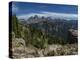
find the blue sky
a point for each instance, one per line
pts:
(25, 10)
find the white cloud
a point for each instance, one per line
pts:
(49, 14)
(26, 16)
(61, 15)
(14, 8)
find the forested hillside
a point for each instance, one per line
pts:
(39, 34)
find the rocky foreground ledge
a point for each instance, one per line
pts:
(20, 50)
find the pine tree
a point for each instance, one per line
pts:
(15, 26)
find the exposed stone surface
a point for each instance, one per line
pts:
(20, 50)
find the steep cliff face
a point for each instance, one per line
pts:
(73, 36)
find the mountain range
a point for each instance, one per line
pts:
(53, 27)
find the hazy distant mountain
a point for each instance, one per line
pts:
(55, 27)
